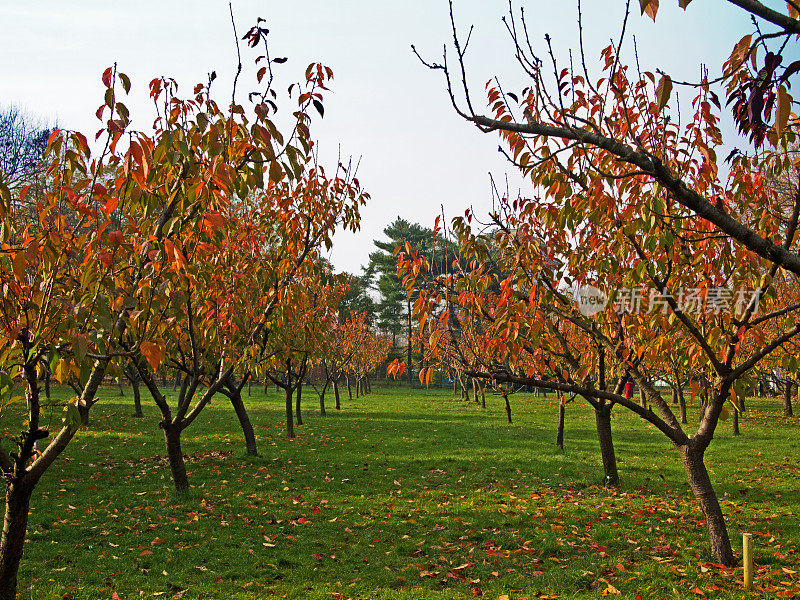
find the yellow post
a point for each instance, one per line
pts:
(747, 559)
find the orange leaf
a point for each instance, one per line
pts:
(18, 264)
(111, 204)
(153, 353)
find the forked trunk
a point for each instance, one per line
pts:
(602, 416)
(700, 483)
(244, 421)
(177, 465)
(15, 526)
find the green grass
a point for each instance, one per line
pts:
(405, 494)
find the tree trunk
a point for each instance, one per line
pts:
(15, 526)
(703, 403)
(177, 465)
(289, 415)
(735, 420)
(336, 394)
(675, 395)
(409, 363)
(48, 375)
(249, 387)
(700, 483)
(483, 396)
(682, 402)
(119, 385)
(508, 407)
(322, 403)
(602, 416)
(244, 420)
(177, 380)
(299, 415)
(349, 389)
(740, 399)
(642, 398)
(562, 409)
(787, 399)
(137, 398)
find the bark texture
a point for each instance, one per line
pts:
(700, 482)
(602, 416)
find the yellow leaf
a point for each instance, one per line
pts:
(61, 371)
(611, 590)
(663, 91)
(783, 110)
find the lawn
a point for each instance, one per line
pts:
(406, 494)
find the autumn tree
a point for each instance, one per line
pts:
(121, 262)
(636, 200)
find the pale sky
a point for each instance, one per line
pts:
(416, 153)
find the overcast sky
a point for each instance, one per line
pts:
(416, 153)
